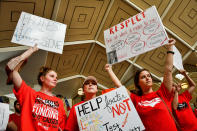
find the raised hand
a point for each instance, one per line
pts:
(171, 42)
(17, 62)
(183, 72)
(108, 67)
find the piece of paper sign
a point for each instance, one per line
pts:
(4, 116)
(48, 34)
(136, 35)
(113, 111)
(177, 59)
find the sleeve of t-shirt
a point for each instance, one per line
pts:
(186, 95)
(71, 124)
(164, 93)
(23, 91)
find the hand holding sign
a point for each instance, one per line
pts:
(17, 62)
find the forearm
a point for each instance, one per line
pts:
(189, 80)
(168, 79)
(114, 78)
(17, 80)
(191, 83)
(27, 53)
(175, 101)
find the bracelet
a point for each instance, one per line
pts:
(172, 52)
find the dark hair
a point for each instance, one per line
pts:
(136, 81)
(5, 99)
(59, 96)
(15, 102)
(43, 71)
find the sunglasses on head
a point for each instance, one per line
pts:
(88, 82)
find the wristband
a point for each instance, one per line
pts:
(172, 52)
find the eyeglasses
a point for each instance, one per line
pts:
(88, 82)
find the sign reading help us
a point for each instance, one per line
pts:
(136, 35)
(47, 34)
(113, 111)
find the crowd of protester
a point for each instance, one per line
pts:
(42, 110)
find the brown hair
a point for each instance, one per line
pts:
(43, 71)
(136, 81)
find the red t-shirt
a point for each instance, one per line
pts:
(195, 112)
(16, 119)
(184, 113)
(153, 112)
(72, 124)
(39, 112)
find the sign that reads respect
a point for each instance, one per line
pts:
(136, 35)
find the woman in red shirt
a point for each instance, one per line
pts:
(181, 107)
(90, 89)
(151, 106)
(39, 110)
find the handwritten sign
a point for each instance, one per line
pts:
(4, 116)
(48, 34)
(136, 35)
(177, 62)
(113, 111)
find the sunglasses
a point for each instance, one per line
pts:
(88, 82)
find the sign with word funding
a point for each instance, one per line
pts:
(136, 35)
(47, 34)
(113, 111)
(4, 116)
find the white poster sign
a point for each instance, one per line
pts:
(177, 62)
(47, 34)
(113, 111)
(4, 116)
(136, 35)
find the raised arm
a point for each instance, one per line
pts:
(191, 83)
(113, 77)
(168, 80)
(15, 64)
(176, 96)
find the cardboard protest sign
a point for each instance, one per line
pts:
(111, 111)
(4, 116)
(136, 35)
(177, 62)
(48, 34)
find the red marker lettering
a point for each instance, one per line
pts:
(111, 30)
(126, 22)
(122, 25)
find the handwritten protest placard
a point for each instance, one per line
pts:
(136, 35)
(113, 111)
(4, 116)
(48, 34)
(177, 62)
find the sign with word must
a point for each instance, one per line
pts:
(47, 34)
(136, 35)
(113, 111)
